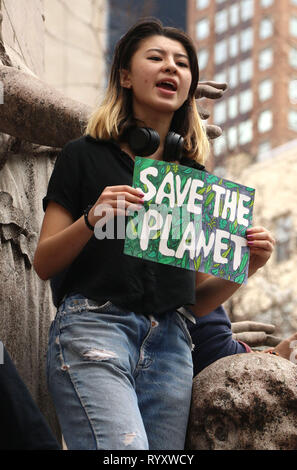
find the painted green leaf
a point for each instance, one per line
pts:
(234, 227)
(184, 262)
(208, 264)
(209, 198)
(157, 235)
(168, 259)
(212, 179)
(240, 278)
(223, 223)
(231, 254)
(213, 224)
(151, 221)
(221, 207)
(226, 253)
(230, 185)
(197, 263)
(243, 262)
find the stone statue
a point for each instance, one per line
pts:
(244, 402)
(35, 122)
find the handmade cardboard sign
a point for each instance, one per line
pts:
(190, 219)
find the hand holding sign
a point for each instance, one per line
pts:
(194, 220)
(113, 201)
(261, 244)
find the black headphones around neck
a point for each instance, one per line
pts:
(145, 141)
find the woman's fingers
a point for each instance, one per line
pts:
(115, 194)
(261, 244)
(125, 189)
(113, 198)
(118, 201)
(257, 234)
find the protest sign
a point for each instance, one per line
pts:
(190, 219)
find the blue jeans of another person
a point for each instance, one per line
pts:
(119, 380)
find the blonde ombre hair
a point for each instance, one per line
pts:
(114, 116)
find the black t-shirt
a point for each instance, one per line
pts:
(102, 271)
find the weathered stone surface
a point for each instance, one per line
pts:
(23, 32)
(246, 401)
(36, 120)
(28, 100)
(26, 304)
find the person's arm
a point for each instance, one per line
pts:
(213, 291)
(61, 239)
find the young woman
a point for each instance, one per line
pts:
(119, 360)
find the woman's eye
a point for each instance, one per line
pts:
(155, 58)
(182, 64)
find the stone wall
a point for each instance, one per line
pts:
(25, 167)
(23, 33)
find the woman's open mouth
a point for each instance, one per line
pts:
(166, 86)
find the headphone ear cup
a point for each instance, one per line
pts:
(143, 141)
(173, 148)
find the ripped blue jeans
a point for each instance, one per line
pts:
(119, 380)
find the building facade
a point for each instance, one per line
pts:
(75, 48)
(271, 294)
(251, 45)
